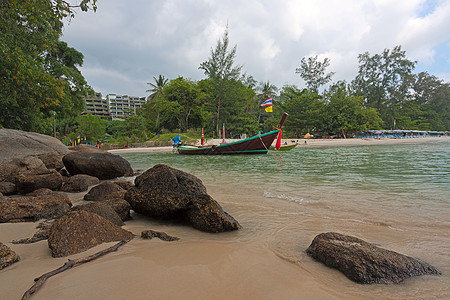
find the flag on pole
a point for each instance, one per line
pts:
(268, 105)
(268, 102)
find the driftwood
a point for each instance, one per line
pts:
(69, 264)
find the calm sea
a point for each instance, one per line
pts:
(396, 196)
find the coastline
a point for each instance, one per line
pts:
(264, 260)
(310, 143)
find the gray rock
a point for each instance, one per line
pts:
(101, 165)
(99, 192)
(165, 192)
(26, 183)
(25, 165)
(18, 144)
(103, 210)
(363, 262)
(149, 234)
(29, 208)
(7, 188)
(79, 183)
(81, 230)
(118, 204)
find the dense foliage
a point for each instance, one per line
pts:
(39, 75)
(38, 72)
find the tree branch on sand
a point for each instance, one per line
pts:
(39, 281)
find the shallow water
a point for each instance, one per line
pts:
(396, 196)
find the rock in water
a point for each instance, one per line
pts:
(97, 164)
(165, 192)
(81, 230)
(7, 256)
(149, 234)
(363, 262)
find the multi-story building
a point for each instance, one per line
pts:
(121, 106)
(96, 105)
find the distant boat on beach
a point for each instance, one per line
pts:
(258, 144)
(283, 148)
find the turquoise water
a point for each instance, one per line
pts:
(416, 169)
(397, 196)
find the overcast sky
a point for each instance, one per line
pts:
(126, 43)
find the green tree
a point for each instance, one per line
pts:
(186, 94)
(91, 127)
(33, 81)
(312, 72)
(220, 69)
(345, 114)
(304, 110)
(384, 80)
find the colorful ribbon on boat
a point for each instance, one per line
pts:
(278, 143)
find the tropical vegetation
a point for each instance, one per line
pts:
(40, 78)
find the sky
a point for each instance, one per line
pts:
(127, 43)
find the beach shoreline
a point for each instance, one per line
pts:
(303, 143)
(266, 259)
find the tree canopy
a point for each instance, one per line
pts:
(38, 72)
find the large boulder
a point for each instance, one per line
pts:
(81, 230)
(18, 144)
(101, 165)
(99, 192)
(165, 192)
(26, 183)
(363, 262)
(79, 183)
(32, 208)
(7, 256)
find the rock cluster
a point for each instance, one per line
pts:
(363, 262)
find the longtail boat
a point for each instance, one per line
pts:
(283, 148)
(258, 144)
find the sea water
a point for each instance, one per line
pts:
(396, 196)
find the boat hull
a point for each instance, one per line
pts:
(283, 148)
(258, 144)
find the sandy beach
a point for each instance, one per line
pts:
(304, 143)
(260, 261)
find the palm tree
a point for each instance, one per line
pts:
(156, 90)
(157, 87)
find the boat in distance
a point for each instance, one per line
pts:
(258, 144)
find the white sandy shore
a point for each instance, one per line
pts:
(305, 143)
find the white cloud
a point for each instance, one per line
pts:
(143, 38)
